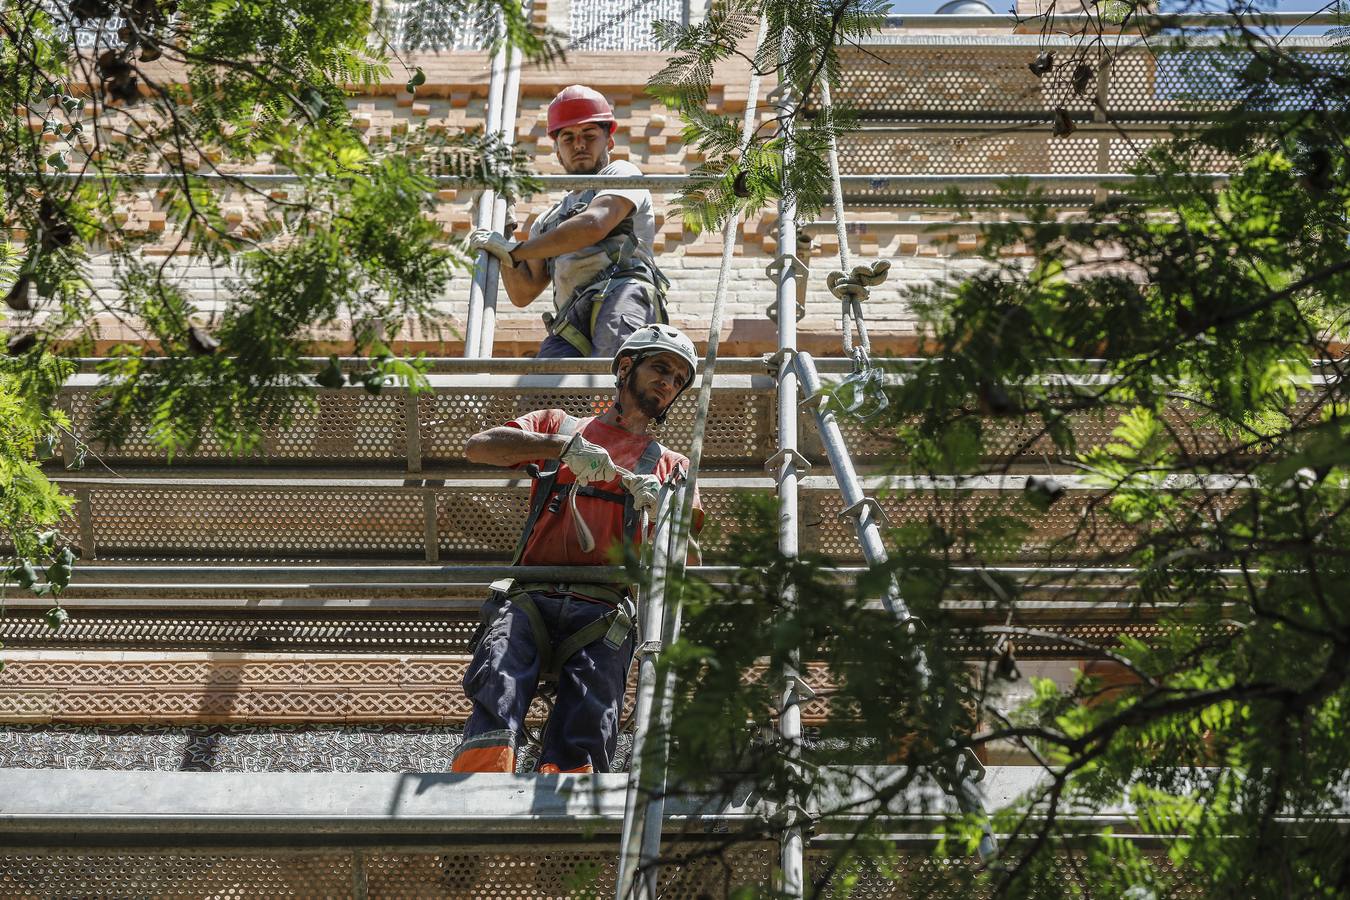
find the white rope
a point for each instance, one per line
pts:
(719, 302)
(851, 313)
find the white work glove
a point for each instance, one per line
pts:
(588, 462)
(494, 243)
(646, 491)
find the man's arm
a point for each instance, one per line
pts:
(585, 229)
(509, 446)
(525, 280)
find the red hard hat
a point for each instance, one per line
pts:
(577, 105)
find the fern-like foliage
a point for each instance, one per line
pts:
(799, 53)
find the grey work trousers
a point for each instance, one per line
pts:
(624, 309)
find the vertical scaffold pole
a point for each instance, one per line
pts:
(865, 513)
(510, 101)
(473, 328)
(786, 464)
(644, 803)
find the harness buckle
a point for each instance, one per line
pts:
(558, 498)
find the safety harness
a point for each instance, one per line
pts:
(628, 262)
(616, 624)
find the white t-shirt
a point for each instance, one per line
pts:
(580, 267)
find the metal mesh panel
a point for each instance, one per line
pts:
(522, 872)
(350, 426)
(482, 525)
(619, 24)
(987, 79)
(918, 874)
(972, 77)
(175, 874)
(519, 873)
(1015, 439)
(258, 524)
(407, 632)
(973, 154)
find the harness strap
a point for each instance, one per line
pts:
(548, 475)
(613, 627)
(646, 465)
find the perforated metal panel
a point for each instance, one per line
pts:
(521, 872)
(351, 426)
(167, 631)
(176, 874)
(970, 154)
(987, 79)
(258, 524)
(480, 520)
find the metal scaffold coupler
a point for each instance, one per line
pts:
(773, 464)
(791, 815)
(774, 361)
(871, 508)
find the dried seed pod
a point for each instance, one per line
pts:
(150, 51)
(1082, 78)
(125, 90)
(20, 344)
(1043, 63)
(1063, 126)
(112, 64)
(17, 298)
(1042, 492)
(84, 10)
(740, 185)
(1006, 667)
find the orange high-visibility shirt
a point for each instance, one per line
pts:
(554, 541)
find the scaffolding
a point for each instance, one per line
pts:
(417, 570)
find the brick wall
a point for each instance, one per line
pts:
(454, 98)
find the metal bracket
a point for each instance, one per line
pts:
(798, 685)
(797, 267)
(774, 270)
(819, 400)
(772, 310)
(773, 361)
(968, 765)
(869, 505)
(773, 462)
(791, 815)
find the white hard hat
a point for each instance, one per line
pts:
(658, 338)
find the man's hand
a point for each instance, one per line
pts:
(494, 243)
(589, 462)
(646, 491)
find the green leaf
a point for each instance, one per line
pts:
(56, 617)
(331, 375)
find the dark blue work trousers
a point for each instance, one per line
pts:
(583, 730)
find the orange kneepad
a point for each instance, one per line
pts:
(551, 769)
(485, 759)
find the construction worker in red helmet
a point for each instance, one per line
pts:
(593, 246)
